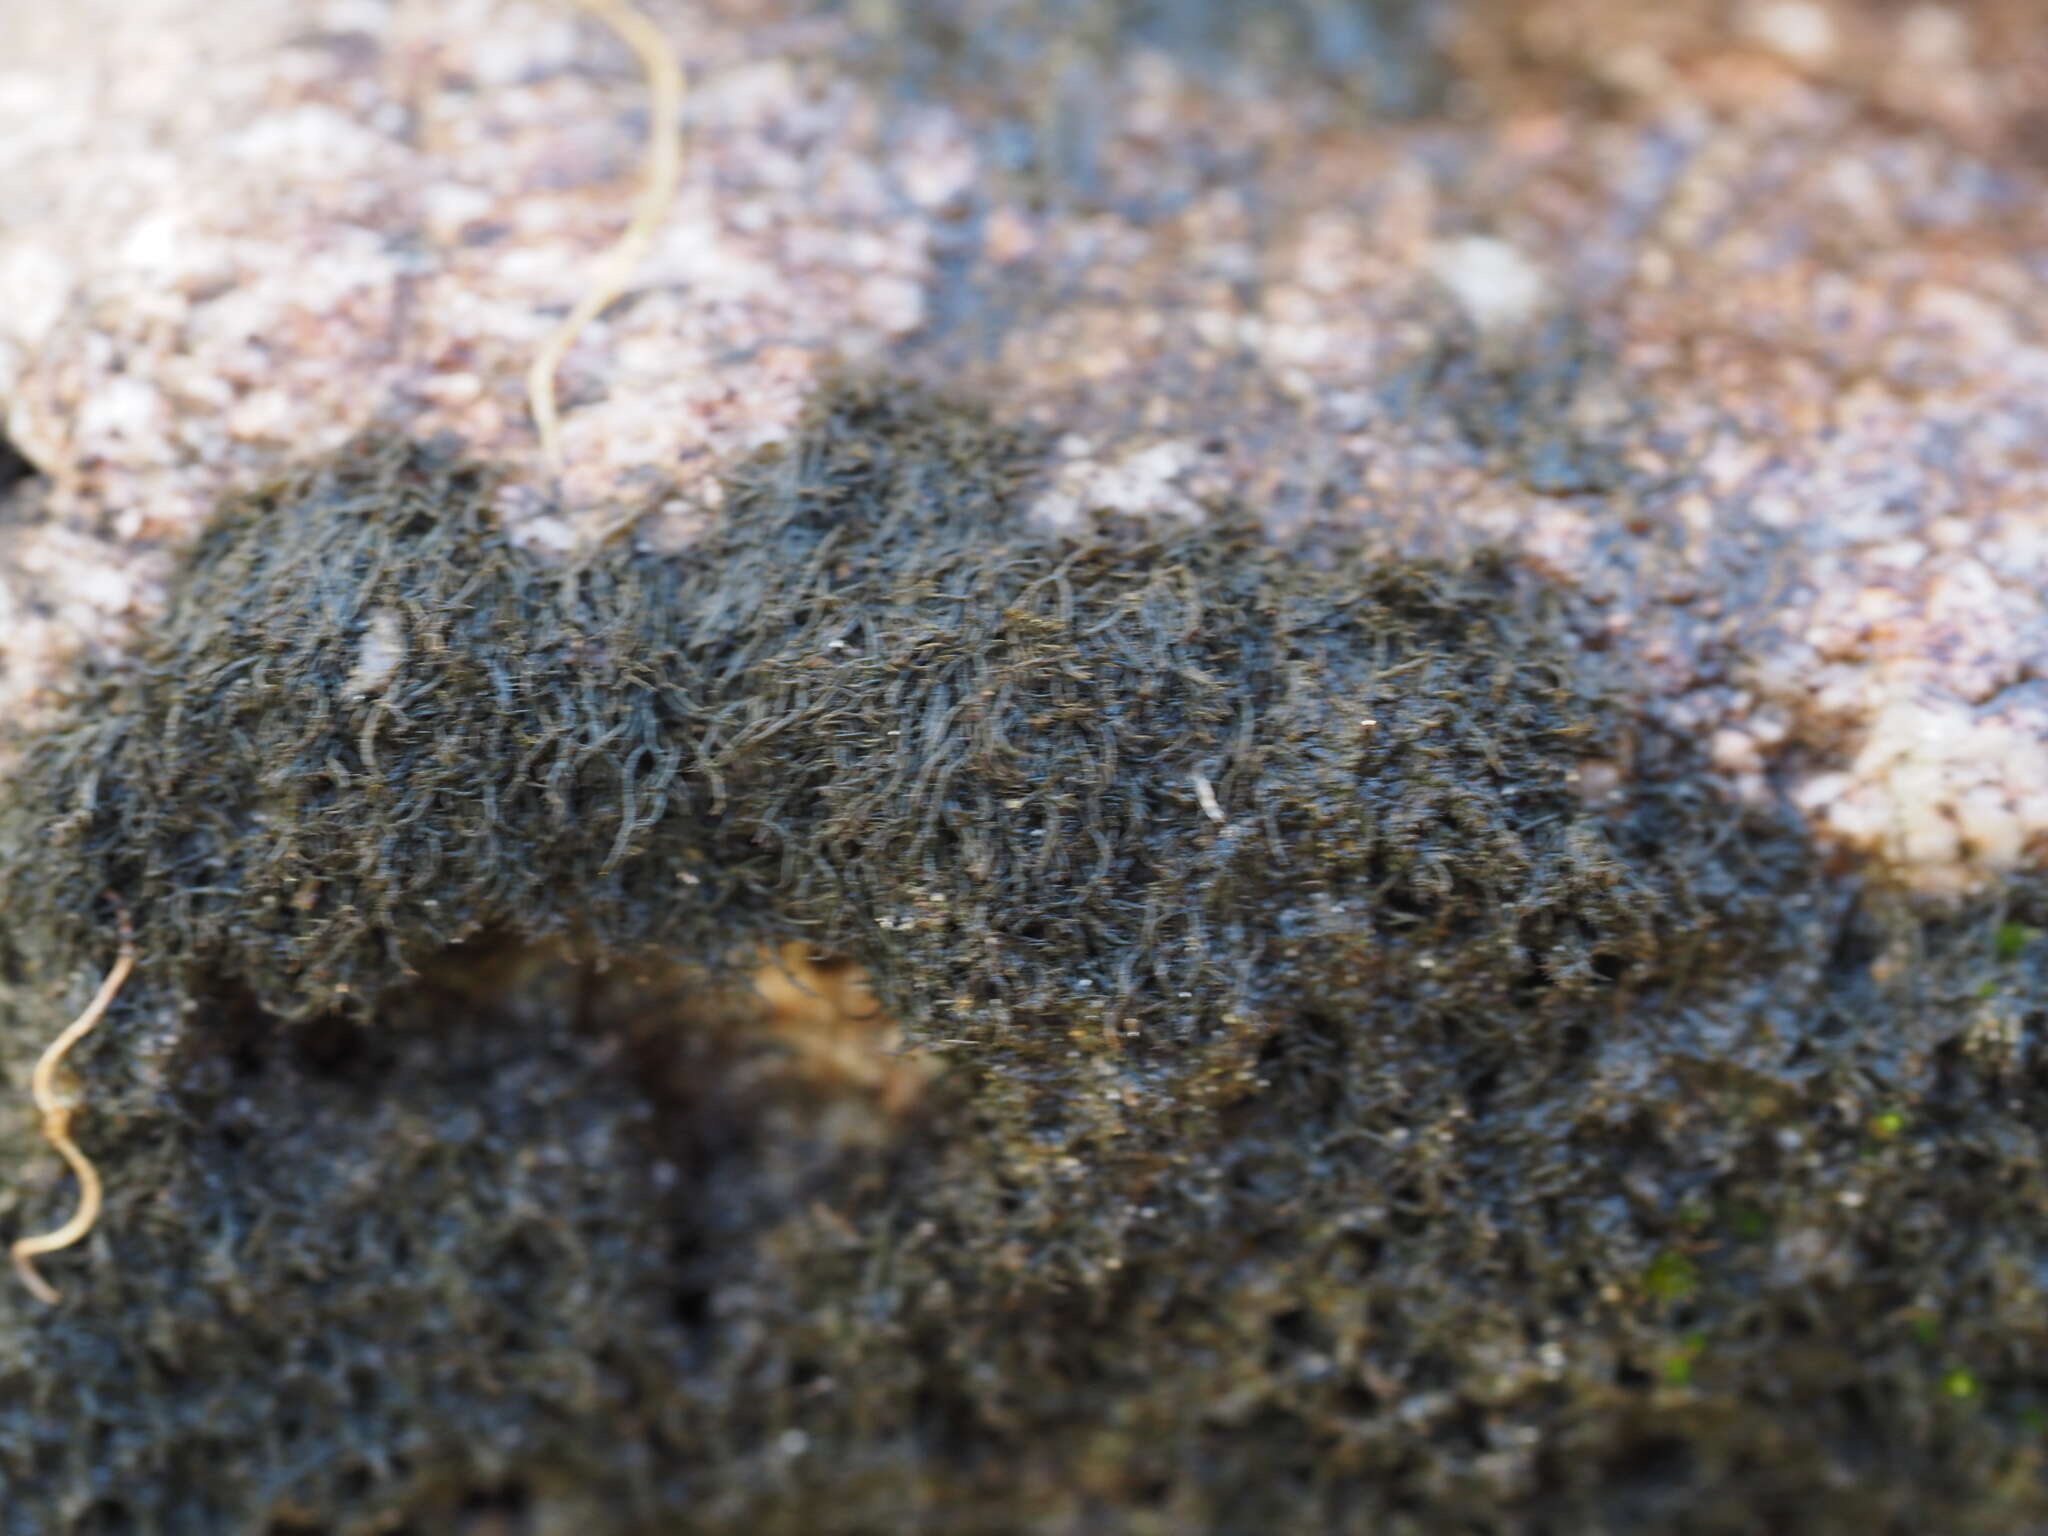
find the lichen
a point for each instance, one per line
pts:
(1347, 1120)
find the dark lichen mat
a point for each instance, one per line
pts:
(1347, 1121)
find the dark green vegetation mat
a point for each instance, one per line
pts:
(1348, 1123)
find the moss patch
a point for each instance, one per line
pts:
(1345, 1121)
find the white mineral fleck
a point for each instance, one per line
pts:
(380, 655)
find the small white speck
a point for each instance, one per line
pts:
(382, 653)
(1798, 30)
(1498, 287)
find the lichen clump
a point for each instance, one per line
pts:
(1346, 1119)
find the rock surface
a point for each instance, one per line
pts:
(1729, 320)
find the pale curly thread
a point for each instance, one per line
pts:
(664, 171)
(56, 1110)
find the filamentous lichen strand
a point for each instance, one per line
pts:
(1345, 1115)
